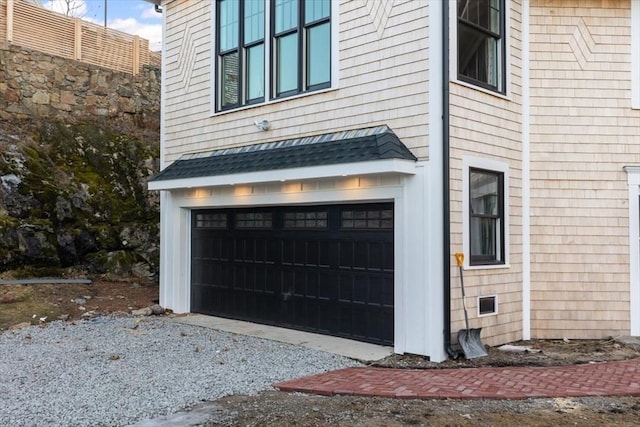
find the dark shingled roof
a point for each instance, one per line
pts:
(361, 145)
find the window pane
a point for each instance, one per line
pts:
(214, 220)
(484, 234)
(305, 219)
(255, 72)
(229, 11)
(367, 219)
(318, 55)
(229, 70)
(286, 15)
(483, 13)
(253, 21)
(287, 63)
(254, 220)
(315, 10)
(478, 55)
(484, 193)
(494, 24)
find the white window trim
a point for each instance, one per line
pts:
(469, 162)
(335, 33)
(495, 305)
(453, 51)
(633, 182)
(635, 54)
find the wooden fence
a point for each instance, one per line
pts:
(53, 33)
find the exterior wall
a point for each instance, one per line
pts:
(488, 127)
(383, 78)
(583, 131)
(383, 50)
(563, 132)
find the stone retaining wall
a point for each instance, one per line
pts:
(34, 84)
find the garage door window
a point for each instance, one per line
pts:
(316, 219)
(212, 220)
(254, 220)
(369, 219)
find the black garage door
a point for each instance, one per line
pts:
(325, 269)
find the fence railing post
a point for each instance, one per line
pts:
(136, 55)
(9, 21)
(77, 39)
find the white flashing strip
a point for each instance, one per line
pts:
(398, 166)
(633, 178)
(526, 178)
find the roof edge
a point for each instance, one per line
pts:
(375, 167)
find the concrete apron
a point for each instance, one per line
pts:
(356, 350)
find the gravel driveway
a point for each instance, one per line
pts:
(112, 371)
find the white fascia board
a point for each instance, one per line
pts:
(395, 166)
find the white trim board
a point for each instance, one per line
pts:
(633, 179)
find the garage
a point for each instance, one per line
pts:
(326, 268)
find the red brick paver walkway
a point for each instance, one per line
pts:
(620, 378)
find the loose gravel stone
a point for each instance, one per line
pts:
(113, 371)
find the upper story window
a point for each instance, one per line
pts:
(481, 46)
(269, 49)
(240, 47)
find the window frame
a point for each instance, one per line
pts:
(491, 166)
(241, 49)
(495, 305)
(498, 219)
(503, 52)
(270, 76)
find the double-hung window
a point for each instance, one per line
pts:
(481, 46)
(270, 49)
(486, 217)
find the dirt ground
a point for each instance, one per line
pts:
(41, 303)
(22, 305)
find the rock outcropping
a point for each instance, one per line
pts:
(75, 195)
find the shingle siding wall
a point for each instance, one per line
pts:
(383, 80)
(487, 126)
(583, 131)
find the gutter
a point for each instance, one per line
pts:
(446, 207)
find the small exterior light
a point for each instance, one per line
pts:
(263, 125)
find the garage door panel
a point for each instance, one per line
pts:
(360, 253)
(387, 260)
(345, 251)
(361, 290)
(307, 268)
(287, 252)
(329, 287)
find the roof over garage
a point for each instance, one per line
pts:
(346, 147)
